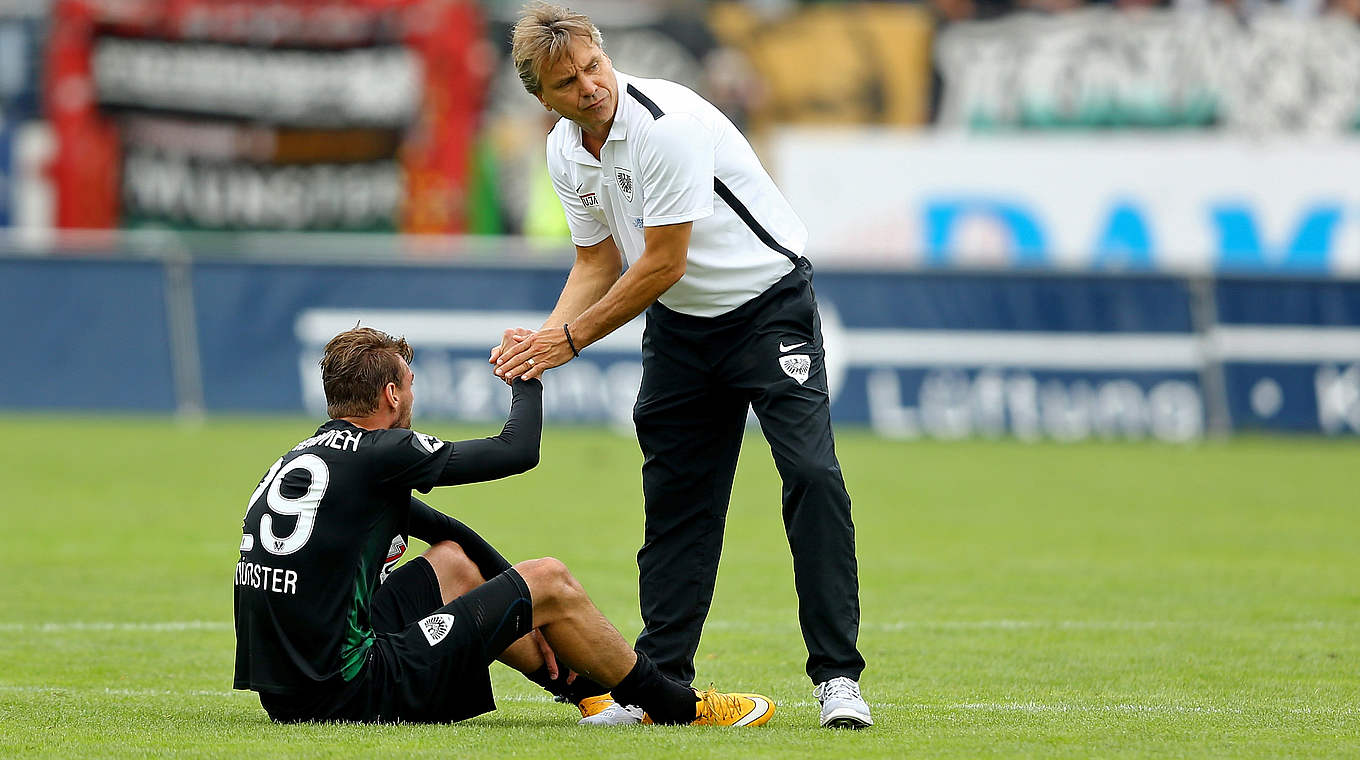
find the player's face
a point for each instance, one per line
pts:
(406, 398)
(581, 86)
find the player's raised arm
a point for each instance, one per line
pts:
(512, 452)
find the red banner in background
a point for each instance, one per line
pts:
(287, 114)
(85, 165)
(458, 67)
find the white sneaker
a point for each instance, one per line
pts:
(614, 715)
(842, 706)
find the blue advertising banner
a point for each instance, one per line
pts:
(1025, 402)
(938, 355)
(1291, 354)
(92, 335)
(1073, 357)
(258, 333)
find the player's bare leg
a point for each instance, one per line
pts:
(573, 625)
(457, 575)
(585, 641)
(589, 644)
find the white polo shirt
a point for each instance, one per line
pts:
(672, 157)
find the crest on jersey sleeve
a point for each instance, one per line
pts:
(625, 180)
(426, 443)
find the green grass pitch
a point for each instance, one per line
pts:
(1089, 600)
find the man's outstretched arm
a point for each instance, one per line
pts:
(596, 269)
(661, 265)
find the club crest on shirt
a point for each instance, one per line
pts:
(625, 181)
(427, 443)
(796, 366)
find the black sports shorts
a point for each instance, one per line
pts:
(428, 663)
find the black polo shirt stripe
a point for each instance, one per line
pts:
(722, 190)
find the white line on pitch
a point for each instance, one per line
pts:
(893, 626)
(147, 627)
(1062, 707)
(119, 692)
(890, 626)
(998, 707)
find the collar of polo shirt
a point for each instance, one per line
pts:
(625, 109)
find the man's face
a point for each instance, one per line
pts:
(581, 85)
(406, 397)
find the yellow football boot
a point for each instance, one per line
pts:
(718, 709)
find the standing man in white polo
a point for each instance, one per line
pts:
(647, 167)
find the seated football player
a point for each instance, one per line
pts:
(327, 629)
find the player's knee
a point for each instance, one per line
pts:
(550, 581)
(557, 573)
(457, 573)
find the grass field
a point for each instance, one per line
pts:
(1095, 600)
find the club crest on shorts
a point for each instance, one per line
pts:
(796, 366)
(436, 627)
(625, 181)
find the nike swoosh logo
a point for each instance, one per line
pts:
(785, 349)
(761, 708)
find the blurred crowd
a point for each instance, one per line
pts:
(947, 11)
(1257, 66)
(1252, 66)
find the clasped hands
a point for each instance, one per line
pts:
(527, 354)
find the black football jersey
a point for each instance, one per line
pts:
(325, 526)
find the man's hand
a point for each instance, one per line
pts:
(549, 658)
(508, 339)
(529, 356)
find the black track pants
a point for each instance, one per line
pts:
(699, 375)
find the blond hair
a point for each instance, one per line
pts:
(541, 36)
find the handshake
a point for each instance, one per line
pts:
(526, 354)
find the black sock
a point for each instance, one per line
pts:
(573, 692)
(665, 699)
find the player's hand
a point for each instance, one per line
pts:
(532, 355)
(549, 658)
(508, 339)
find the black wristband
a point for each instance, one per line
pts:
(570, 343)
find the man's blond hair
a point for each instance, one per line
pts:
(541, 37)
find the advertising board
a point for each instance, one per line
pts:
(909, 355)
(1179, 204)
